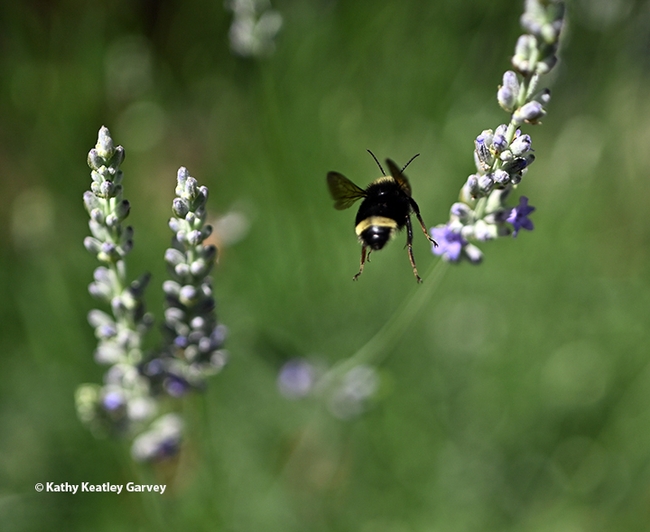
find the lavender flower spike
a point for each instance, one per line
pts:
(123, 401)
(503, 156)
(128, 402)
(194, 339)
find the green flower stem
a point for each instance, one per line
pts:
(383, 342)
(510, 135)
(479, 210)
(532, 86)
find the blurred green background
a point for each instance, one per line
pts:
(518, 399)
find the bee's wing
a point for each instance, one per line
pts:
(399, 177)
(344, 191)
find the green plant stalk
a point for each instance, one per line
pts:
(382, 343)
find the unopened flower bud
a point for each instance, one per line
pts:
(484, 231)
(122, 209)
(546, 64)
(112, 220)
(187, 294)
(118, 158)
(209, 253)
(173, 257)
(506, 156)
(106, 189)
(508, 92)
(499, 142)
(501, 177)
(191, 188)
(472, 185)
(174, 225)
(182, 270)
(485, 183)
(97, 216)
(104, 147)
(543, 96)
(180, 207)
(181, 178)
(199, 268)
(530, 113)
(521, 145)
(171, 288)
(194, 238)
(482, 156)
(95, 161)
(460, 211)
(474, 254)
(524, 59)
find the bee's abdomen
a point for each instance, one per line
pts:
(376, 231)
(376, 236)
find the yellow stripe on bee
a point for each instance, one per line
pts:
(380, 221)
(383, 179)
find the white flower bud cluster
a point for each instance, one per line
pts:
(254, 27)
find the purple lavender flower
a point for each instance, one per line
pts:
(518, 216)
(176, 386)
(113, 400)
(450, 243)
(296, 378)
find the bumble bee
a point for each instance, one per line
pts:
(385, 210)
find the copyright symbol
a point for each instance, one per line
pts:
(39, 487)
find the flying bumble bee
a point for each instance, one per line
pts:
(385, 210)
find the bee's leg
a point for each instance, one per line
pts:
(416, 210)
(363, 261)
(409, 247)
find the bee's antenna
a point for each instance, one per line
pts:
(410, 161)
(379, 164)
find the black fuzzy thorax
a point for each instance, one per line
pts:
(385, 199)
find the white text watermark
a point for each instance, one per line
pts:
(105, 487)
